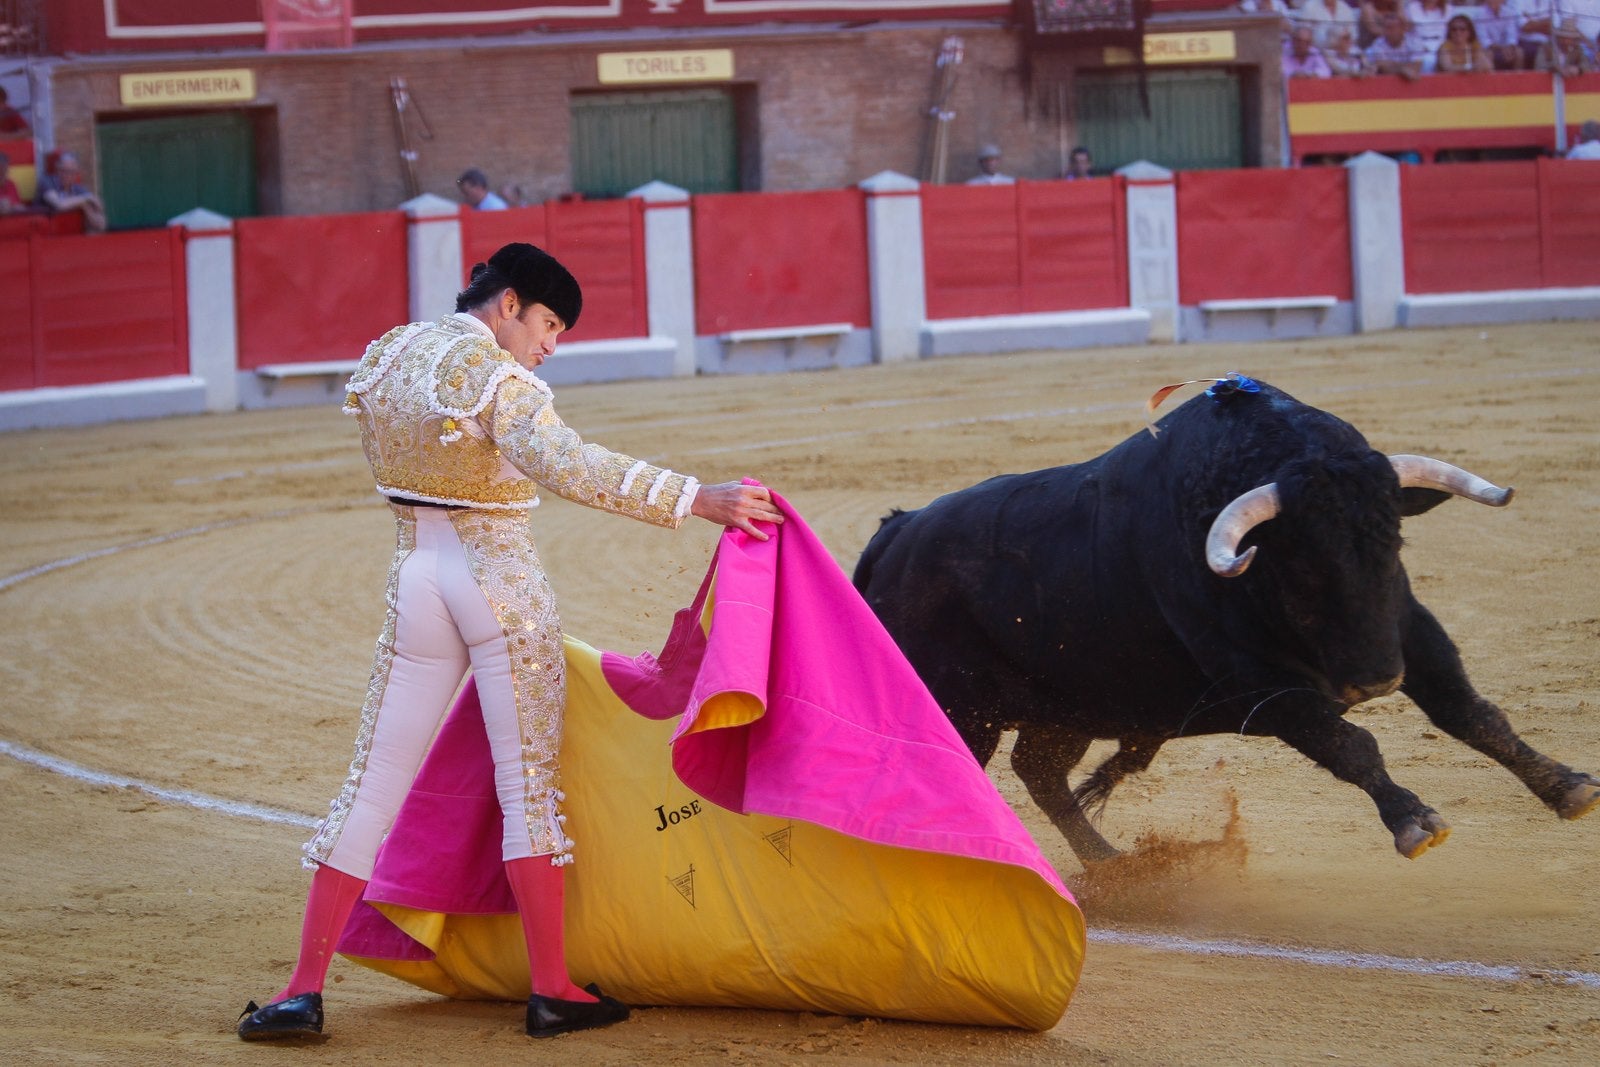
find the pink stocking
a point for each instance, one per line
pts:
(333, 895)
(540, 892)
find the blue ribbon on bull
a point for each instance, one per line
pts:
(1221, 388)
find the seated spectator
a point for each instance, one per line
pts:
(1588, 146)
(1344, 58)
(1499, 26)
(1302, 58)
(1567, 53)
(1372, 16)
(1395, 52)
(61, 189)
(1427, 20)
(1080, 164)
(1326, 17)
(10, 199)
(474, 186)
(12, 124)
(1461, 52)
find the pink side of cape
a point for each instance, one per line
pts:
(851, 738)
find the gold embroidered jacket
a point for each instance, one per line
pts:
(449, 416)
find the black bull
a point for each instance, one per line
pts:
(1239, 572)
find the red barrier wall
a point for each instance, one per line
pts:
(1471, 227)
(600, 241)
(1568, 222)
(780, 259)
(315, 287)
(16, 315)
(1031, 246)
(1256, 234)
(107, 308)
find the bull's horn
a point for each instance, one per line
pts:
(1237, 519)
(1420, 472)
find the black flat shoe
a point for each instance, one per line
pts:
(548, 1016)
(291, 1019)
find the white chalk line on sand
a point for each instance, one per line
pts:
(185, 797)
(1361, 961)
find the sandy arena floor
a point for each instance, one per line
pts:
(191, 603)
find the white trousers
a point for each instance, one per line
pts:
(443, 623)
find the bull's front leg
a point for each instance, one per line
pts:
(1436, 680)
(1352, 755)
(1042, 756)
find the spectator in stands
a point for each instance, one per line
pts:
(1428, 19)
(989, 168)
(1302, 58)
(1344, 58)
(1568, 53)
(1588, 146)
(10, 199)
(1080, 164)
(1326, 17)
(474, 186)
(1372, 15)
(1499, 26)
(1395, 52)
(12, 123)
(61, 189)
(1461, 52)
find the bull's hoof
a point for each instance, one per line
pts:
(1581, 799)
(1416, 836)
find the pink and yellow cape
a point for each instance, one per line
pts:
(813, 835)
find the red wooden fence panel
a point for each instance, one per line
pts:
(1257, 234)
(16, 315)
(315, 287)
(1471, 227)
(109, 308)
(780, 259)
(1569, 191)
(1074, 244)
(484, 232)
(602, 243)
(1031, 246)
(972, 254)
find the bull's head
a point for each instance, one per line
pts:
(1250, 509)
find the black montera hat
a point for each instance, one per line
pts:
(539, 278)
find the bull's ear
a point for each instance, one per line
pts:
(1414, 501)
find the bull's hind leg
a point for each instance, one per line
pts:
(1436, 680)
(1042, 757)
(1352, 755)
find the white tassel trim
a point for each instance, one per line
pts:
(685, 502)
(386, 357)
(633, 472)
(656, 486)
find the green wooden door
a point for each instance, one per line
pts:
(1195, 119)
(153, 169)
(686, 137)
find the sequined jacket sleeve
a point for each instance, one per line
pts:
(523, 422)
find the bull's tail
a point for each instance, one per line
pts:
(888, 527)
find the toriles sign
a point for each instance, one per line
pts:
(618, 68)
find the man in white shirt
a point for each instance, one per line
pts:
(1588, 146)
(989, 168)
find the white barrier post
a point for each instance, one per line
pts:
(433, 255)
(213, 308)
(1153, 246)
(669, 270)
(1377, 245)
(895, 266)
